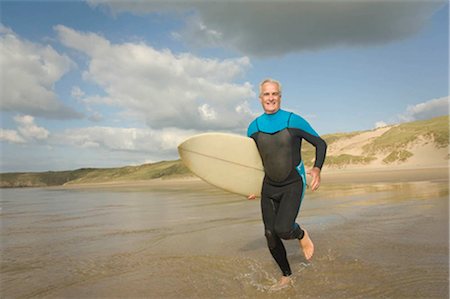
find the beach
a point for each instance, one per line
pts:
(377, 234)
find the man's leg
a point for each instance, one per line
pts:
(285, 225)
(269, 208)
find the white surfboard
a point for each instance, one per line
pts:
(228, 161)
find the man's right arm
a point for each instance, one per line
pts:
(252, 128)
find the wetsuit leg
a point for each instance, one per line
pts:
(269, 208)
(285, 226)
(280, 207)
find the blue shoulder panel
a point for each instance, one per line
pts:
(299, 122)
(252, 128)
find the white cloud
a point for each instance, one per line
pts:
(426, 110)
(26, 131)
(29, 130)
(163, 88)
(380, 124)
(197, 34)
(274, 28)
(206, 112)
(152, 142)
(11, 136)
(29, 72)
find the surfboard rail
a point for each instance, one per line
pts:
(228, 161)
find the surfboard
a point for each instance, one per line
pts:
(228, 161)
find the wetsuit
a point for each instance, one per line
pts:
(279, 137)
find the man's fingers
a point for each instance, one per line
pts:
(315, 183)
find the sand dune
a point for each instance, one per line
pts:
(424, 153)
(421, 144)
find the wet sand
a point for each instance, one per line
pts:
(374, 238)
(333, 176)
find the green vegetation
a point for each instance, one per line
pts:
(398, 137)
(309, 152)
(400, 156)
(331, 138)
(346, 159)
(164, 169)
(393, 142)
(41, 179)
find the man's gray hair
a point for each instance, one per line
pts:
(269, 80)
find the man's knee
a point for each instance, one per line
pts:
(271, 239)
(284, 233)
(288, 232)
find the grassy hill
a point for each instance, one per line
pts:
(164, 169)
(390, 145)
(393, 146)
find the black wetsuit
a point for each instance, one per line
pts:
(279, 137)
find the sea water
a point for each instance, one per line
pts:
(191, 240)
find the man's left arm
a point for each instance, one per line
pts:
(309, 134)
(321, 150)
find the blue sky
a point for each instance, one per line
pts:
(106, 84)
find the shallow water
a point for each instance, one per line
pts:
(194, 241)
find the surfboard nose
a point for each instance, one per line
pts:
(228, 161)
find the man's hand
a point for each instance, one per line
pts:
(251, 196)
(315, 173)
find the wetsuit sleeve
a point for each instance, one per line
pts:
(252, 128)
(321, 148)
(304, 130)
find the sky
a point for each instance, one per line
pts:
(102, 83)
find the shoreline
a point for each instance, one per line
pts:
(380, 175)
(344, 176)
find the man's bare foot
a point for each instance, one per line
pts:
(284, 282)
(307, 246)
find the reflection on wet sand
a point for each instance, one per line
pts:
(187, 239)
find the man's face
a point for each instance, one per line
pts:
(270, 97)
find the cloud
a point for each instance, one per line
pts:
(264, 28)
(162, 88)
(380, 124)
(30, 71)
(152, 142)
(26, 131)
(10, 136)
(29, 130)
(207, 113)
(426, 110)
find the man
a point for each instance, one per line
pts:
(278, 135)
